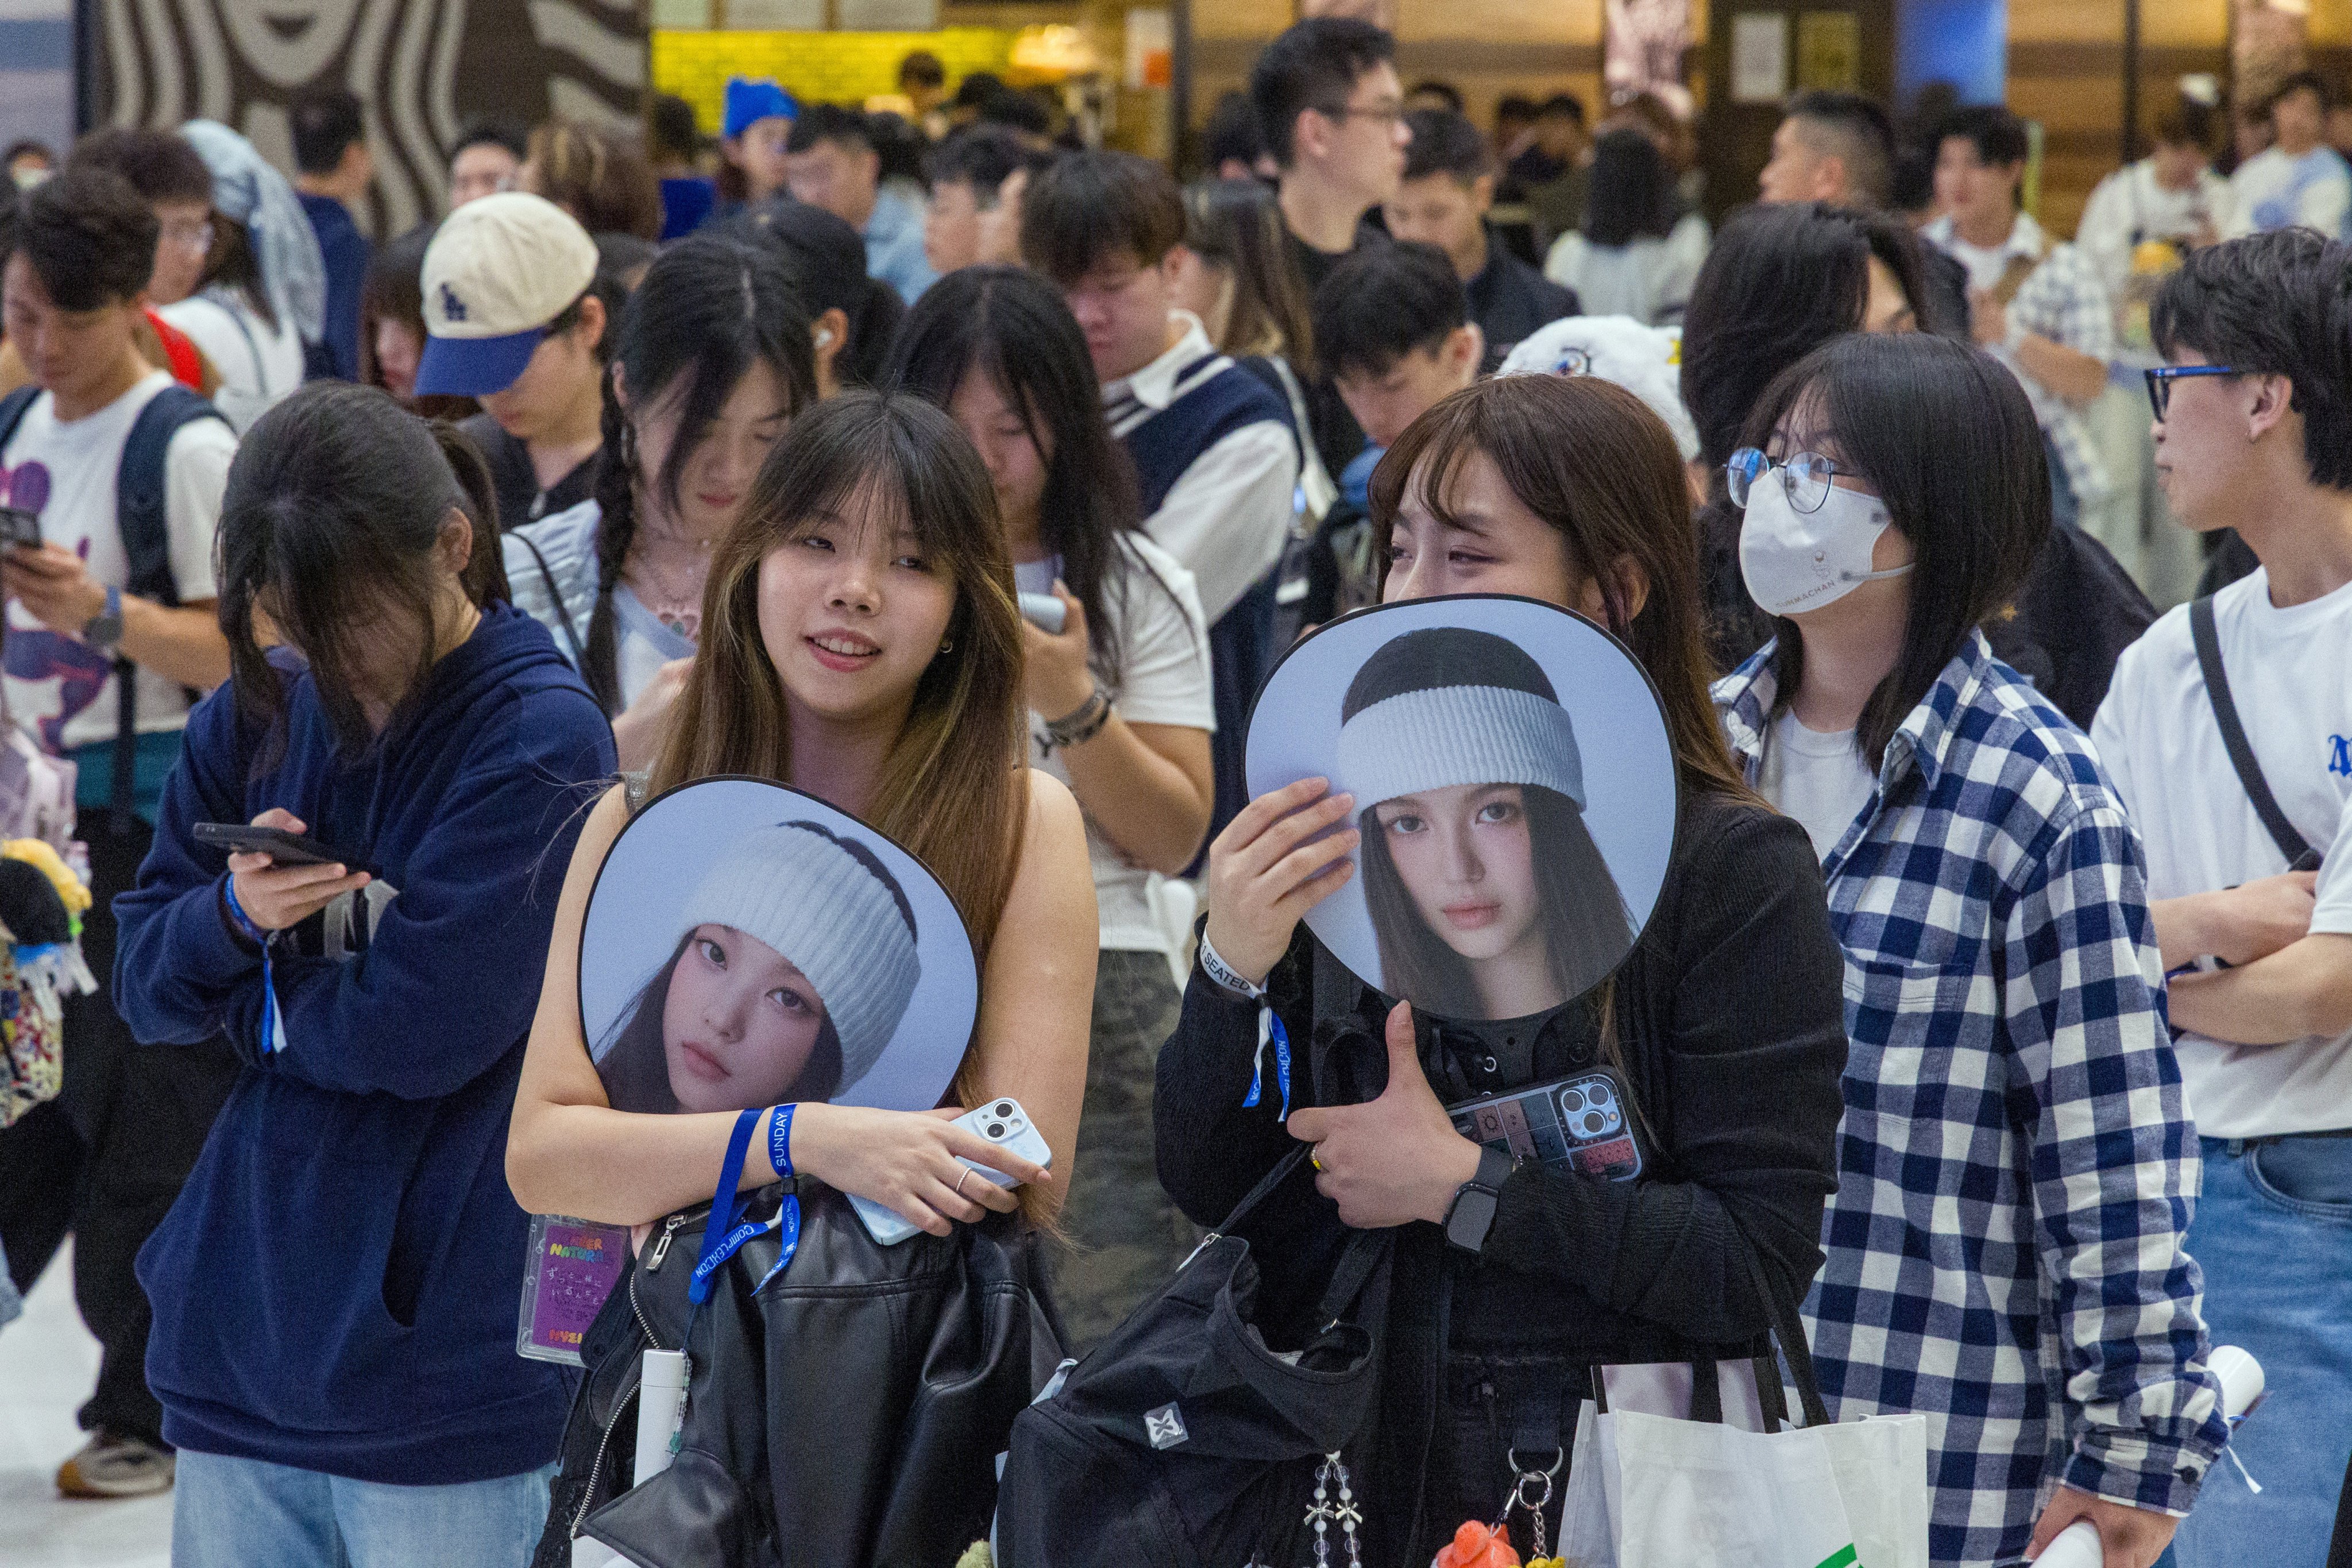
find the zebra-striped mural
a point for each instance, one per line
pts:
(424, 67)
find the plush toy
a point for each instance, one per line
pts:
(38, 855)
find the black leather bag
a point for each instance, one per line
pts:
(1184, 1438)
(849, 1412)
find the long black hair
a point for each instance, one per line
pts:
(709, 309)
(1631, 195)
(1943, 433)
(330, 524)
(1779, 282)
(1011, 326)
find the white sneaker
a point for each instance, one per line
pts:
(110, 1467)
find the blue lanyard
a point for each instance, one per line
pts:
(1269, 1027)
(724, 1233)
(273, 1027)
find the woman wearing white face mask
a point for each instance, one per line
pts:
(2015, 1181)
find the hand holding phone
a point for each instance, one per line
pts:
(281, 879)
(1001, 1121)
(18, 526)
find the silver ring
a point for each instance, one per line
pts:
(961, 1180)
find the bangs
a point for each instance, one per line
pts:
(1424, 463)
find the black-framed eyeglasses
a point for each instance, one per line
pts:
(1807, 476)
(2160, 379)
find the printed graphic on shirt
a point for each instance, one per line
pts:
(36, 653)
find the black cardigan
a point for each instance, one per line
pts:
(1730, 1030)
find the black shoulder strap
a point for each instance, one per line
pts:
(555, 593)
(2300, 855)
(142, 492)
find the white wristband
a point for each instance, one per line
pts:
(1221, 974)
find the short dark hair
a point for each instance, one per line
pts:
(1998, 136)
(1514, 106)
(324, 120)
(1313, 64)
(670, 128)
(2309, 81)
(2274, 304)
(1438, 88)
(825, 263)
(977, 88)
(1630, 194)
(980, 156)
(1444, 143)
(492, 133)
(1383, 303)
(1566, 103)
(160, 164)
(90, 237)
(923, 68)
(1017, 110)
(835, 123)
(1865, 137)
(1091, 204)
(1232, 132)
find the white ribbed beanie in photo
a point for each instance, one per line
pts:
(797, 888)
(1446, 706)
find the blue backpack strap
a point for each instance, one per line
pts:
(142, 487)
(12, 410)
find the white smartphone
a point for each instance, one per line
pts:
(1000, 1121)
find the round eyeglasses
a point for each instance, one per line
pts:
(1807, 477)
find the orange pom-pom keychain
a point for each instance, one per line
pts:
(1476, 1545)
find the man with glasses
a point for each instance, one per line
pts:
(2253, 430)
(1332, 112)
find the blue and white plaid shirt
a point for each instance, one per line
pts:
(2016, 1167)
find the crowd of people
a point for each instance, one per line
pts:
(1996, 1005)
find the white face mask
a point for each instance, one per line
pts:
(1794, 560)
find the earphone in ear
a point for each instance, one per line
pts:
(825, 337)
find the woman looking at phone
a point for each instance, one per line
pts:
(1118, 708)
(1724, 1024)
(862, 645)
(346, 1224)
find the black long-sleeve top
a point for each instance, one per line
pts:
(1729, 1033)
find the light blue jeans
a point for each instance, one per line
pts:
(248, 1513)
(2274, 1234)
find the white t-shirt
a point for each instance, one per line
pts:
(1163, 643)
(57, 686)
(2291, 673)
(2272, 190)
(259, 364)
(1816, 777)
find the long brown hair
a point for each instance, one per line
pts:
(1236, 224)
(1591, 460)
(953, 790)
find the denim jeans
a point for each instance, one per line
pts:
(2274, 1234)
(248, 1513)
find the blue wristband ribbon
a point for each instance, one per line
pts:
(273, 1026)
(725, 1232)
(1269, 1027)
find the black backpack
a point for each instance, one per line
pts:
(139, 489)
(1185, 1439)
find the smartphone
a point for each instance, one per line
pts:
(1045, 611)
(283, 847)
(18, 526)
(999, 1122)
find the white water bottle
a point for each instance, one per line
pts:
(661, 1400)
(2241, 1376)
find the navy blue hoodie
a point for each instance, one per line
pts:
(337, 1287)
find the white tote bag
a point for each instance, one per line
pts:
(1649, 1489)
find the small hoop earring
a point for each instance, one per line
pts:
(947, 644)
